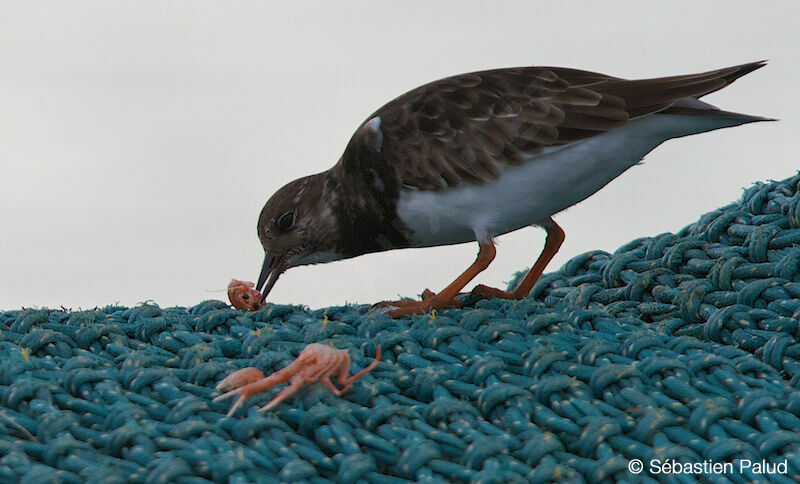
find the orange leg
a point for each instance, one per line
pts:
(445, 297)
(555, 237)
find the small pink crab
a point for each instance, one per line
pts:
(243, 295)
(315, 362)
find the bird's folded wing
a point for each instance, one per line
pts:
(463, 129)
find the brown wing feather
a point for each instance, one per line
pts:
(462, 129)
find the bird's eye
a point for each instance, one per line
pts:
(285, 221)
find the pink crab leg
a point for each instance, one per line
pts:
(343, 378)
(348, 381)
(239, 378)
(326, 380)
(287, 392)
(245, 376)
(259, 386)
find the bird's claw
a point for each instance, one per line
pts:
(426, 294)
(481, 291)
(423, 306)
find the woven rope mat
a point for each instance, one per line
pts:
(680, 346)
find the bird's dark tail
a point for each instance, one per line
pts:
(730, 74)
(692, 106)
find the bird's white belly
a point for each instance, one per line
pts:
(544, 185)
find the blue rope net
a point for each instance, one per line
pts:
(680, 346)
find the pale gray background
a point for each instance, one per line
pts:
(139, 140)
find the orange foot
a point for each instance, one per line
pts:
(491, 292)
(447, 297)
(430, 301)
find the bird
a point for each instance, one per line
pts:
(474, 156)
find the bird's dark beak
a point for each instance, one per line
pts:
(272, 269)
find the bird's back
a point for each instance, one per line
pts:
(465, 129)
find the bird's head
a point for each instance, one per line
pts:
(297, 226)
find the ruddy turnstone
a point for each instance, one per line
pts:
(474, 156)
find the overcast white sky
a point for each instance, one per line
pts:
(139, 140)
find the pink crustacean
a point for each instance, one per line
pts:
(243, 295)
(317, 362)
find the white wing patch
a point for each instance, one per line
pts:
(373, 126)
